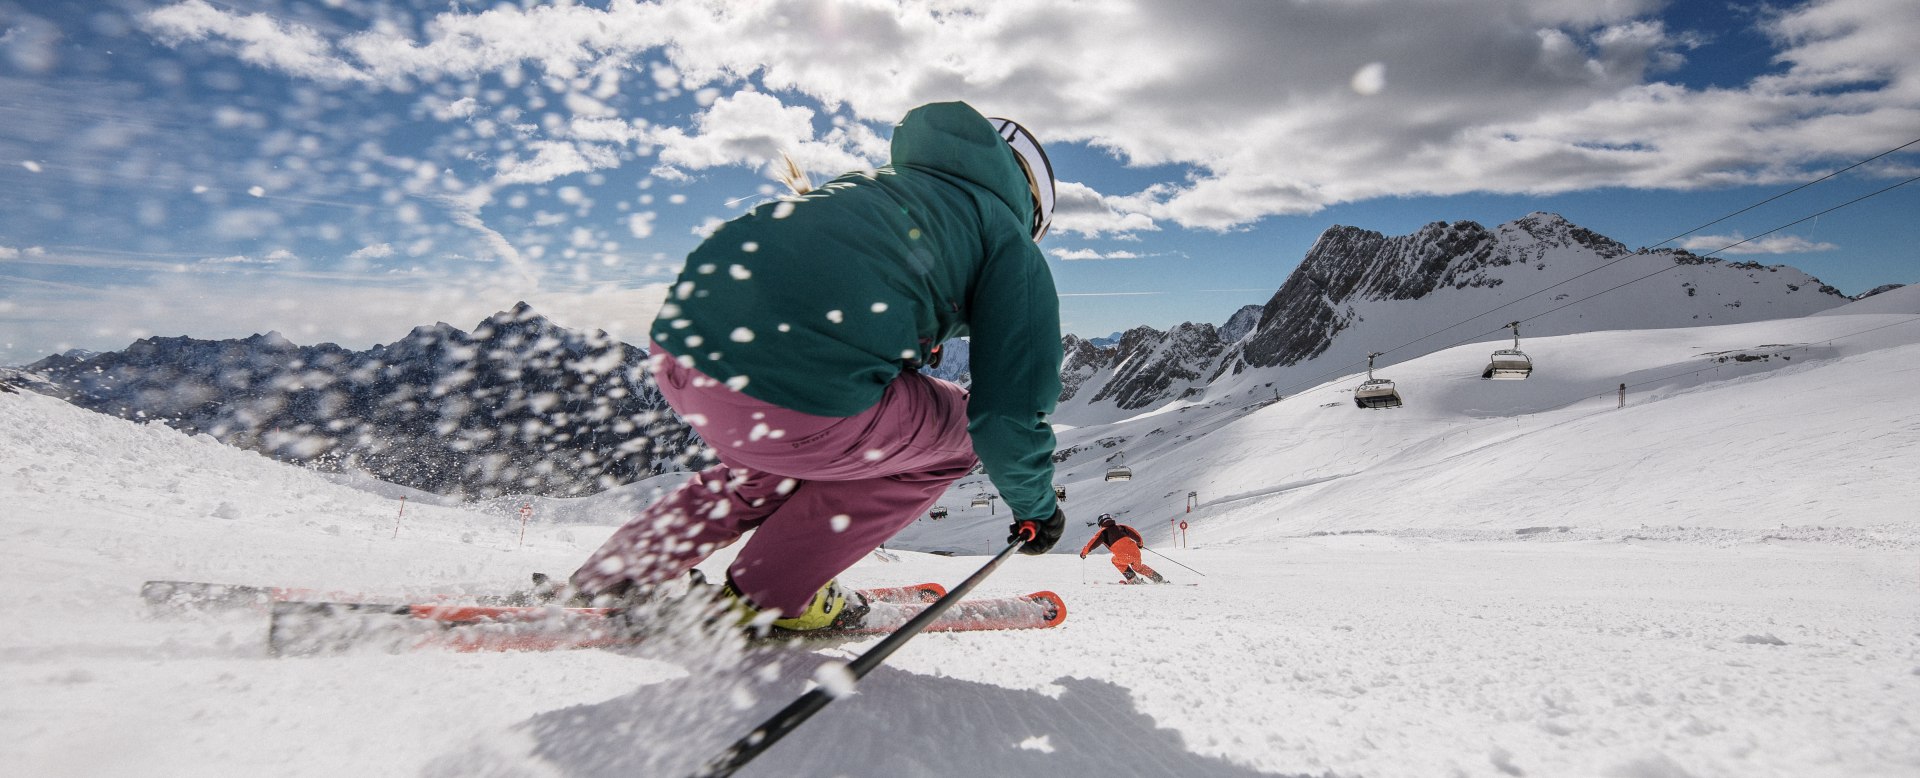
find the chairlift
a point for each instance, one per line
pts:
(1375, 392)
(1120, 472)
(982, 500)
(939, 512)
(1509, 364)
(1059, 492)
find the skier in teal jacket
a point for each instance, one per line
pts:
(792, 343)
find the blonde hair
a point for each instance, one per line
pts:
(788, 172)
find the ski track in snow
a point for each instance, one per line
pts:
(1721, 579)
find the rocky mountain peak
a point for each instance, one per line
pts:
(512, 408)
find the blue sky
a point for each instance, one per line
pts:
(343, 171)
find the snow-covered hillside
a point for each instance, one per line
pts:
(1500, 578)
(1806, 421)
(1358, 291)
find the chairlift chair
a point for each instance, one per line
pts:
(1509, 364)
(982, 500)
(938, 513)
(1120, 472)
(1059, 492)
(1375, 392)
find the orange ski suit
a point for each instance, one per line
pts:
(1124, 543)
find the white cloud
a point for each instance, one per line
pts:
(237, 259)
(1251, 110)
(756, 128)
(1083, 254)
(551, 160)
(309, 310)
(376, 251)
(1777, 244)
(258, 39)
(1078, 209)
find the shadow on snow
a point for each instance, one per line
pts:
(898, 724)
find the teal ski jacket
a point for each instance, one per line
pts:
(815, 303)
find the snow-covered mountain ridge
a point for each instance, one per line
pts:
(517, 406)
(1359, 291)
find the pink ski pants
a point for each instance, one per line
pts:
(820, 492)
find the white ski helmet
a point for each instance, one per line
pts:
(1033, 160)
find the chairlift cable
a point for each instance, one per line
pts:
(1784, 194)
(1724, 248)
(1656, 272)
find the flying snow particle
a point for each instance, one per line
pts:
(739, 273)
(641, 224)
(741, 335)
(1370, 78)
(737, 383)
(836, 679)
(257, 191)
(879, 307)
(840, 522)
(785, 327)
(30, 165)
(836, 316)
(783, 210)
(750, 247)
(707, 269)
(694, 341)
(874, 455)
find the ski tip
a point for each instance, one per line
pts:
(1056, 607)
(932, 591)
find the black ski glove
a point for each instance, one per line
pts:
(1046, 532)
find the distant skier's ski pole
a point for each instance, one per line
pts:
(1175, 561)
(797, 712)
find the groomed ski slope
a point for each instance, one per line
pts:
(1720, 579)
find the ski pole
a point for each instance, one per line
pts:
(770, 731)
(1175, 561)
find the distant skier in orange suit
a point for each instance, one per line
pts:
(1125, 544)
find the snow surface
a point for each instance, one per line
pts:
(1721, 578)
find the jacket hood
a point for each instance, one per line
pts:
(954, 139)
